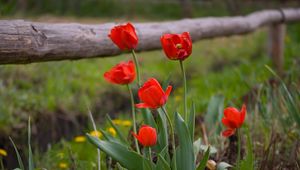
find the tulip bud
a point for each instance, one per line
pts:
(146, 136)
(122, 73)
(177, 46)
(233, 119)
(124, 36)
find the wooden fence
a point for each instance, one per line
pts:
(26, 42)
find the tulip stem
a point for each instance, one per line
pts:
(239, 148)
(173, 136)
(185, 89)
(149, 154)
(136, 62)
(133, 117)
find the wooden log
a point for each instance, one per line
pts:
(26, 42)
(276, 46)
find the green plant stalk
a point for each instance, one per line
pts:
(149, 154)
(239, 148)
(21, 165)
(95, 129)
(133, 118)
(185, 89)
(1, 163)
(30, 156)
(137, 67)
(172, 134)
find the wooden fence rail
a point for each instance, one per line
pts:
(26, 42)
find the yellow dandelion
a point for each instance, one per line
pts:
(126, 123)
(117, 121)
(3, 152)
(80, 139)
(63, 165)
(112, 131)
(96, 133)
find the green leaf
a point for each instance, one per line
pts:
(148, 118)
(191, 122)
(126, 158)
(214, 113)
(108, 137)
(248, 162)
(223, 166)
(21, 165)
(203, 162)
(185, 153)
(162, 164)
(30, 157)
(119, 133)
(146, 165)
(162, 131)
(196, 146)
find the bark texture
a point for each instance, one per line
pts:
(26, 42)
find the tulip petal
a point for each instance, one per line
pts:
(115, 36)
(228, 123)
(152, 94)
(243, 115)
(142, 105)
(168, 46)
(129, 40)
(121, 73)
(233, 115)
(137, 137)
(124, 36)
(168, 91)
(228, 132)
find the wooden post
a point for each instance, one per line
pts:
(276, 46)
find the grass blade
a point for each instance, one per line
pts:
(21, 165)
(203, 162)
(95, 129)
(30, 157)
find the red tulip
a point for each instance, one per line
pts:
(233, 119)
(124, 36)
(152, 95)
(122, 73)
(177, 46)
(146, 136)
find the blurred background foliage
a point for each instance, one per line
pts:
(151, 9)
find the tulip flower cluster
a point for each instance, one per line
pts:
(153, 134)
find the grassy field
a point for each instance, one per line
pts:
(230, 67)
